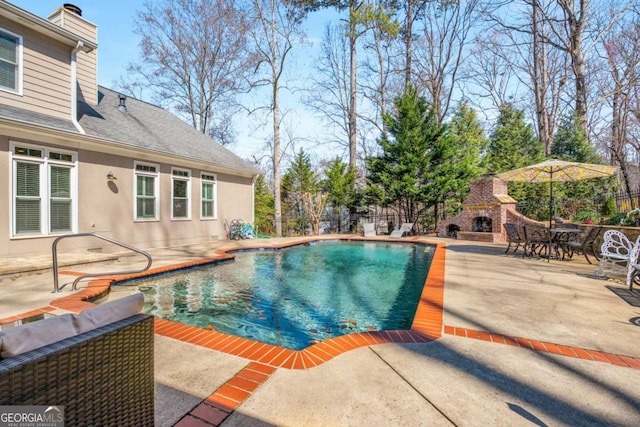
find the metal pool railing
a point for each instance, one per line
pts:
(54, 250)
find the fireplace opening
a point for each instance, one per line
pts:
(482, 224)
(452, 231)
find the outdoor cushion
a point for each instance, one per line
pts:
(109, 312)
(34, 335)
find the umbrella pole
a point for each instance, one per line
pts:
(551, 200)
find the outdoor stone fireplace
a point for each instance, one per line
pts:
(482, 224)
(483, 212)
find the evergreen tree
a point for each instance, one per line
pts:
(570, 144)
(416, 168)
(340, 183)
(264, 209)
(299, 178)
(513, 145)
(471, 147)
(303, 193)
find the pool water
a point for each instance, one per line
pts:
(295, 297)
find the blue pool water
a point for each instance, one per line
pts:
(297, 296)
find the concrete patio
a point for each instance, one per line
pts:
(468, 377)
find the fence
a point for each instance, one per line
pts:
(626, 202)
(568, 209)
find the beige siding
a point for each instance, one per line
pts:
(107, 207)
(87, 75)
(80, 26)
(46, 75)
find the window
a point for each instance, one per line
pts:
(10, 62)
(44, 192)
(208, 196)
(146, 192)
(180, 191)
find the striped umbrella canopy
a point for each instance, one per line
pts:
(557, 171)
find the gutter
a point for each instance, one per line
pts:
(74, 87)
(25, 129)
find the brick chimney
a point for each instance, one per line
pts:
(70, 18)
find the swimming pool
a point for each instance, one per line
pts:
(297, 296)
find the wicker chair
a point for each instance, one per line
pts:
(102, 377)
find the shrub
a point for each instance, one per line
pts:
(586, 217)
(617, 219)
(609, 208)
(632, 217)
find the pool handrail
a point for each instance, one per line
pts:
(74, 286)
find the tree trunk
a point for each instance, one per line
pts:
(576, 30)
(277, 191)
(540, 80)
(408, 45)
(352, 85)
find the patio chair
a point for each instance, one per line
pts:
(635, 276)
(404, 228)
(369, 229)
(615, 253)
(538, 240)
(383, 227)
(513, 237)
(584, 246)
(633, 268)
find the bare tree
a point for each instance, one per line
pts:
(377, 68)
(329, 92)
(439, 49)
(577, 27)
(412, 10)
(194, 59)
(488, 75)
(622, 51)
(520, 43)
(276, 28)
(353, 32)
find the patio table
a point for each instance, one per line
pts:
(561, 235)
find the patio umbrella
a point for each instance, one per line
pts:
(557, 171)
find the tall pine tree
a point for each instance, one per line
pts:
(513, 145)
(416, 168)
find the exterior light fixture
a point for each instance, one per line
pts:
(111, 176)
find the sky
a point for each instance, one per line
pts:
(118, 47)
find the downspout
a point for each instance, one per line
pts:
(74, 88)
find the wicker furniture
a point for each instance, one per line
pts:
(102, 377)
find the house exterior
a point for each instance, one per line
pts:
(76, 157)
